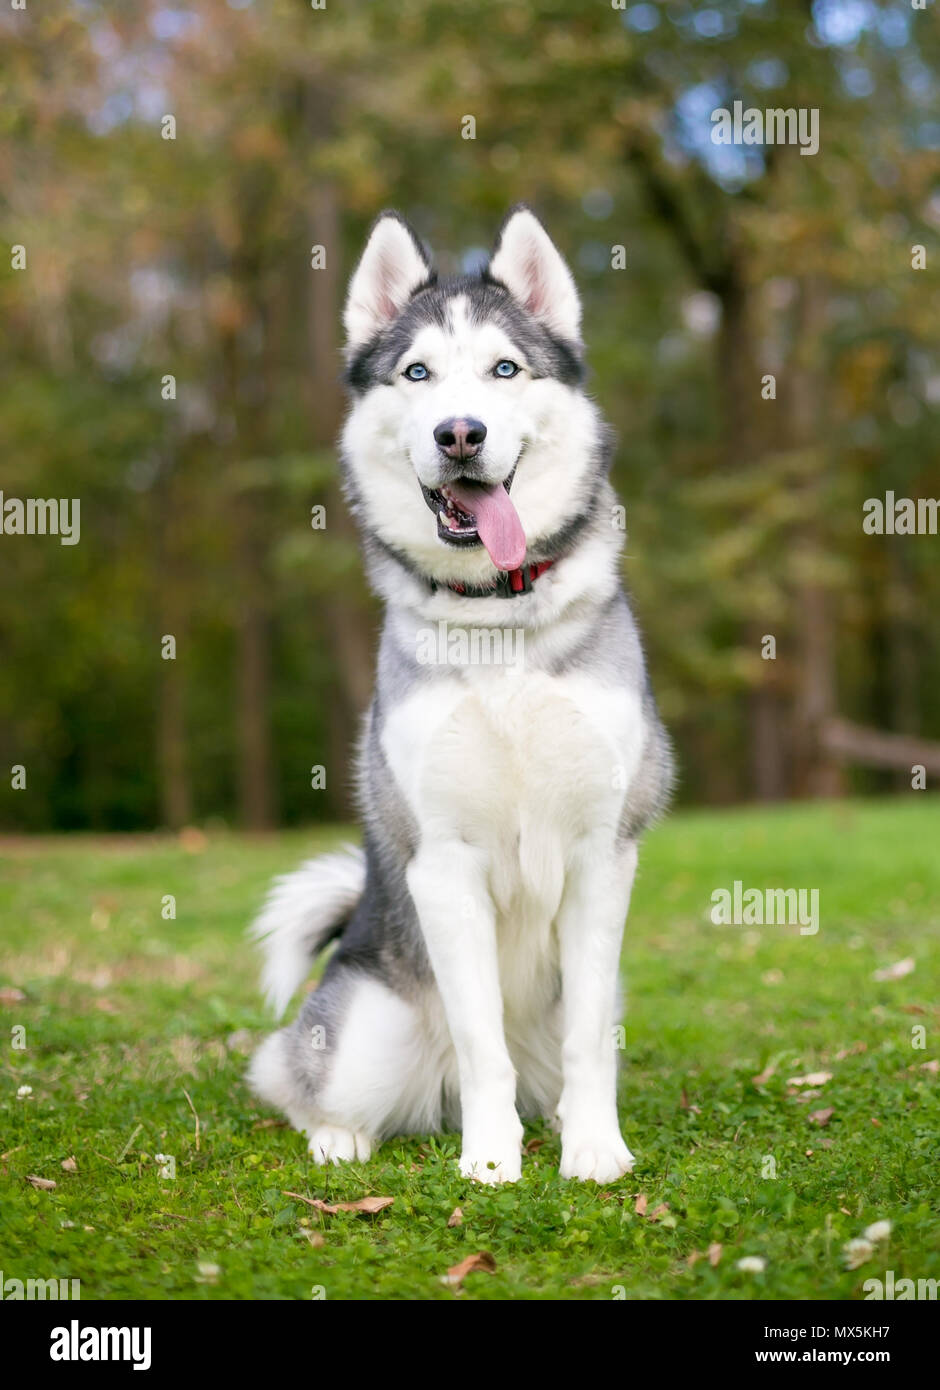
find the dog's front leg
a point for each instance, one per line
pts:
(590, 931)
(447, 881)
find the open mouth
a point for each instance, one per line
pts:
(473, 513)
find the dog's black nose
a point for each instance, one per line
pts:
(460, 439)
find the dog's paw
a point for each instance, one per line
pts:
(602, 1160)
(333, 1144)
(491, 1170)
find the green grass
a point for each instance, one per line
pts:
(126, 1012)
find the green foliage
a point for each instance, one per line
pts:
(192, 257)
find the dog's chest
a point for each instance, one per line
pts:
(519, 764)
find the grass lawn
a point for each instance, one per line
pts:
(136, 1029)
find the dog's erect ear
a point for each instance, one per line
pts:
(392, 267)
(530, 265)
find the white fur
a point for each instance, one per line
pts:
(519, 842)
(299, 907)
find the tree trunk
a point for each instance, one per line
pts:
(816, 771)
(176, 803)
(739, 379)
(255, 782)
(348, 618)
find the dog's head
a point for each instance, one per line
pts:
(469, 443)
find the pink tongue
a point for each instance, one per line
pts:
(497, 521)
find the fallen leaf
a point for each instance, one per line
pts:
(876, 1123)
(364, 1204)
(822, 1117)
(270, 1123)
(193, 840)
(639, 1205)
(44, 1184)
(897, 971)
(659, 1211)
(10, 996)
(455, 1218)
(932, 1066)
(851, 1051)
(70, 1165)
(693, 1258)
(683, 1100)
(905, 1008)
(482, 1260)
(533, 1146)
(813, 1078)
(315, 1238)
(714, 1254)
(845, 1211)
(764, 1076)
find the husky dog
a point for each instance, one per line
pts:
(475, 976)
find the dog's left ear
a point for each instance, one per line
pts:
(529, 264)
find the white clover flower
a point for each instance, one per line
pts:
(752, 1264)
(878, 1230)
(857, 1252)
(23, 1092)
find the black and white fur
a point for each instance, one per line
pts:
(475, 976)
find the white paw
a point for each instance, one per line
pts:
(596, 1161)
(333, 1144)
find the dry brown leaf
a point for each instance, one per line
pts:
(897, 971)
(851, 1051)
(813, 1078)
(764, 1076)
(876, 1123)
(315, 1238)
(44, 1184)
(693, 1258)
(932, 1066)
(9, 996)
(533, 1146)
(369, 1205)
(639, 1205)
(714, 1254)
(482, 1260)
(905, 1008)
(822, 1117)
(683, 1100)
(659, 1211)
(70, 1165)
(845, 1211)
(455, 1218)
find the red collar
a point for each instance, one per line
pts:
(508, 585)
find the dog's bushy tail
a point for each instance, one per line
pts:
(304, 911)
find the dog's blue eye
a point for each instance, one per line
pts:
(505, 368)
(417, 372)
